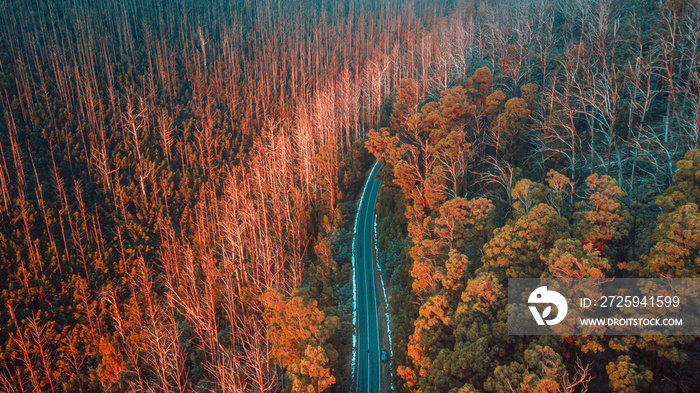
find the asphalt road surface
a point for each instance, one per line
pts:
(368, 348)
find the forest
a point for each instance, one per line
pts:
(179, 182)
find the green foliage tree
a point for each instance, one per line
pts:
(628, 377)
(677, 251)
(686, 184)
(297, 330)
(408, 96)
(516, 249)
(601, 218)
(571, 258)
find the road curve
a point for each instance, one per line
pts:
(366, 322)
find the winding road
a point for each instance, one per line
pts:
(367, 324)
